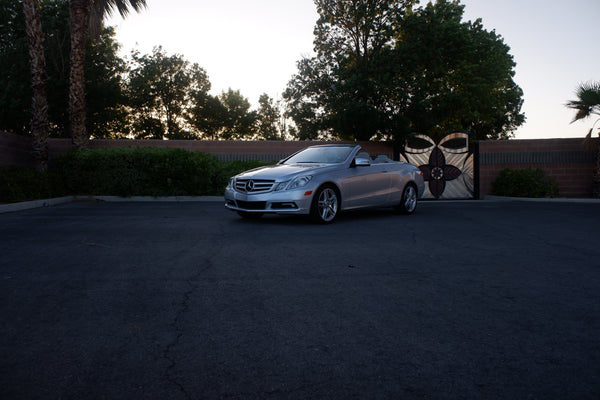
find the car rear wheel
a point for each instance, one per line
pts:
(249, 215)
(325, 204)
(408, 205)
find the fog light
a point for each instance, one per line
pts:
(284, 206)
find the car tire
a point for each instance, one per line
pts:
(325, 204)
(408, 204)
(249, 215)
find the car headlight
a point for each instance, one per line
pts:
(231, 184)
(299, 182)
(294, 183)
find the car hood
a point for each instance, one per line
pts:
(284, 172)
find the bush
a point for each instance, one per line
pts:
(22, 184)
(526, 182)
(146, 171)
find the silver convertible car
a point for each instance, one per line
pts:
(321, 181)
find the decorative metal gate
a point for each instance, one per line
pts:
(448, 167)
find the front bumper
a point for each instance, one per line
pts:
(284, 202)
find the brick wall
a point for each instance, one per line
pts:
(16, 150)
(566, 160)
(223, 150)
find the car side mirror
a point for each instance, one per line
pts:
(361, 162)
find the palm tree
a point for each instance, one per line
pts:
(39, 108)
(84, 14)
(587, 105)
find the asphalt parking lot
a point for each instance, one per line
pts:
(462, 300)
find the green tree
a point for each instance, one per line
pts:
(240, 123)
(268, 117)
(339, 92)
(161, 90)
(15, 77)
(82, 12)
(103, 70)
(455, 75)
(355, 31)
(207, 116)
(384, 69)
(55, 21)
(106, 112)
(306, 97)
(588, 105)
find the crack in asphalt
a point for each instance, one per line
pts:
(179, 333)
(176, 322)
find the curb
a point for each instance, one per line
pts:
(541, 200)
(116, 199)
(27, 205)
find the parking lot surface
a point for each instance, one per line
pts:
(462, 300)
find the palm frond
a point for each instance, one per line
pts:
(588, 100)
(100, 9)
(582, 112)
(107, 7)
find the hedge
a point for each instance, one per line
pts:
(147, 171)
(22, 184)
(526, 182)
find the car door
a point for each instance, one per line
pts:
(366, 186)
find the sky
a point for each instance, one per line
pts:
(253, 46)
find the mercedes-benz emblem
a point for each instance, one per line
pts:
(250, 185)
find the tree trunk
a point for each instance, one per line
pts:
(39, 107)
(79, 11)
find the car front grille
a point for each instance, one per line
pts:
(254, 185)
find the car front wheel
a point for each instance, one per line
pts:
(325, 205)
(409, 200)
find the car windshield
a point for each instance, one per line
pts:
(320, 155)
